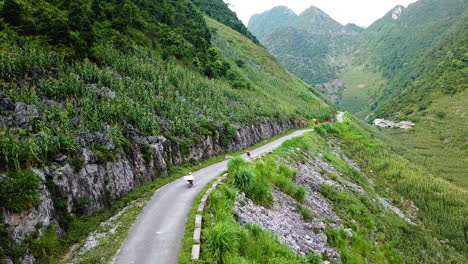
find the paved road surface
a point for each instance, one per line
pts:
(157, 233)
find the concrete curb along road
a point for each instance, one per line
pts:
(199, 219)
(157, 233)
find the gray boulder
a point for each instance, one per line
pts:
(24, 114)
(6, 103)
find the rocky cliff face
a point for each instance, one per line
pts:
(92, 185)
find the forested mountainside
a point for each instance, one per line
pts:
(421, 54)
(99, 97)
(308, 45)
(421, 50)
(410, 64)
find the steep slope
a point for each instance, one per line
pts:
(410, 64)
(339, 194)
(309, 45)
(420, 53)
(99, 97)
(431, 37)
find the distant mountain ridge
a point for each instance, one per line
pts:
(266, 23)
(308, 45)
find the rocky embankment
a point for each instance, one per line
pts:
(85, 184)
(285, 219)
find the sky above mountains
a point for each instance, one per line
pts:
(360, 12)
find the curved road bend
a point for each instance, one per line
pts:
(158, 231)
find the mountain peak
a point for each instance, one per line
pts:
(314, 11)
(284, 9)
(315, 20)
(269, 21)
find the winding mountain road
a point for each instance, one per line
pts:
(157, 233)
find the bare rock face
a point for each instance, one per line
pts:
(6, 103)
(284, 221)
(24, 114)
(28, 258)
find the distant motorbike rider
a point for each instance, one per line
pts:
(189, 178)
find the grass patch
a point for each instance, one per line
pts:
(19, 190)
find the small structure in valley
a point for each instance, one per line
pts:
(380, 122)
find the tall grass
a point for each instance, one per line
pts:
(442, 206)
(228, 242)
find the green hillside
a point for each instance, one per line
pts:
(150, 91)
(429, 225)
(118, 69)
(422, 58)
(430, 56)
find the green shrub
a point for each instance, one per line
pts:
(261, 193)
(236, 163)
(325, 128)
(312, 258)
(48, 245)
(19, 191)
(306, 213)
(103, 153)
(147, 153)
(441, 114)
(300, 194)
(243, 179)
(287, 172)
(337, 238)
(222, 239)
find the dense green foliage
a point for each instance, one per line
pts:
(19, 191)
(74, 28)
(220, 11)
(153, 95)
(422, 54)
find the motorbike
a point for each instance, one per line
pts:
(189, 180)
